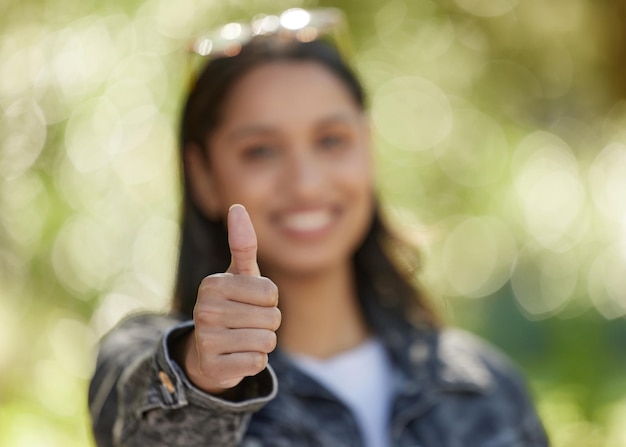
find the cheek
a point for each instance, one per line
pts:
(358, 174)
(362, 187)
(235, 185)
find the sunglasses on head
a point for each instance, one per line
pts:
(304, 25)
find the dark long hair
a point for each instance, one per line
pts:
(203, 246)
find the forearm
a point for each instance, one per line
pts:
(139, 396)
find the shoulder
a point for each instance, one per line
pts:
(469, 367)
(476, 386)
(468, 358)
(456, 346)
(467, 363)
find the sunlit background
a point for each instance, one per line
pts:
(500, 130)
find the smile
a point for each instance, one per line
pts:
(307, 221)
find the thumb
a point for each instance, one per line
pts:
(242, 242)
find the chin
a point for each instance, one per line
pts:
(305, 266)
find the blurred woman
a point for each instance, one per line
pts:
(295, 321)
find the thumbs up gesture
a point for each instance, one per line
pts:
(236, 316)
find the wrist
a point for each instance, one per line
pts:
(185, 353)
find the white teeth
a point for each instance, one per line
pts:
(307, 221)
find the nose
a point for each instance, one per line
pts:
(305, 176)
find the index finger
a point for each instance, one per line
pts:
(242, 242)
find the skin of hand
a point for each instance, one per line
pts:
(236, 316)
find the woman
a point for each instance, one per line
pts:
(278, 181)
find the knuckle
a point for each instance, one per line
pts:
(207, 283)
(275, 319)
(268, 341)
(208, 316)
(258, 361)
(213, 283)
(208, 287)
(245, 250)
(207, 345)
(269, 291)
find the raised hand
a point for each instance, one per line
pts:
(236, 316)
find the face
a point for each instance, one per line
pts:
(293, 148)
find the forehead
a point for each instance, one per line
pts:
(285, 92)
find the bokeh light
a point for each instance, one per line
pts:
(500, 131)
(412, 113)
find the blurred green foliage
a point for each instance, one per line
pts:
(501, 140)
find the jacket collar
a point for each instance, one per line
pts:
(429, 359)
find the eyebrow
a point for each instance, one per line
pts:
(337, 118)
(250, 130)
(257, 129)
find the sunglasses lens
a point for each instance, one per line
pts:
(304, 25)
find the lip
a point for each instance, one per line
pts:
(307, 222)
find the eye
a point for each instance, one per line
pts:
(260, 152)
(332, 141)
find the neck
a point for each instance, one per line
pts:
(321, 313)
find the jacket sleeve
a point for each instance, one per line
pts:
(139, 396)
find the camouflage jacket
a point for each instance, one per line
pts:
(451, 390)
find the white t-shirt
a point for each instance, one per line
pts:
(362, 379)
